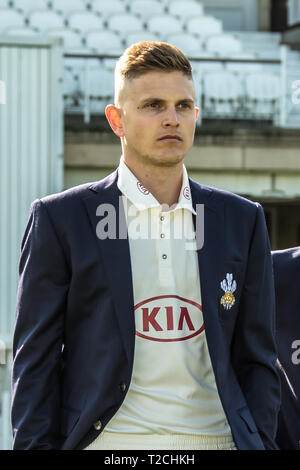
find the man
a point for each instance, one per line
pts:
(286, 264)
(128, 335)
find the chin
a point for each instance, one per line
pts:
(167, 160)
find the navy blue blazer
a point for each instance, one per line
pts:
(286, 265)
(75, 332)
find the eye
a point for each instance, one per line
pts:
(153, 105)
(184, 105)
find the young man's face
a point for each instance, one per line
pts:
(158, 117)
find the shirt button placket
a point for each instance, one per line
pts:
(164, 252)
(162, 235)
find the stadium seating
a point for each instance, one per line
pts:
(109, 64)
(101, 83)
(188, 43)
(223, 45)
(262, 93)
(107, 8)
(138, 36)
(146, 8)
(222, 93)
(77, 64)
(206, 66)
(264, 45)
(22, 31)
(9, 18)
(104, 42)
(28, 5)
(45, 19)
(83, 51)
(71, 89)
(164, 25)
(108, 27)
(84, 20)
(124, 24)
(100, 89)
(185, 9)
(67, 6)
(71, 37)
(204, 25)
(87, 82)
(244, 67)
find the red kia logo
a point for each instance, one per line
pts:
(142, 188)
(168, 318)
(186, 192)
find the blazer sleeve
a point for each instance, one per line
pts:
(254, 347)
(38, 335)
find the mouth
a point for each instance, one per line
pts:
(170, 138)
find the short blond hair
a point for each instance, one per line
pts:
(150, 56)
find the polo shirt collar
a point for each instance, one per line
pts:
(138, 195)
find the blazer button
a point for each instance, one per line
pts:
(97, 425)
(122, 386)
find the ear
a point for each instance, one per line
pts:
(197, 112)
(113, 115)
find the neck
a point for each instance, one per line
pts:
(163, 182)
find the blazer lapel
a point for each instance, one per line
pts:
(211, 260)
(105, 198)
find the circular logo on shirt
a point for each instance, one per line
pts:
(168, 318)
(186, 192)
(142, 188)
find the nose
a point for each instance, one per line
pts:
(170, 118)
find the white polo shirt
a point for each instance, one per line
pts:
(173, 389)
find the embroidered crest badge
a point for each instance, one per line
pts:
(229, 286)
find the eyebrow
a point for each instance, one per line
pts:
(160, 100)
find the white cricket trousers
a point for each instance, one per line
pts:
(121, 441)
